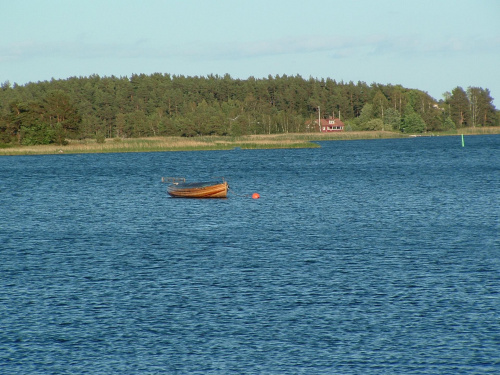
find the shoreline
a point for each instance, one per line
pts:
(208, 143)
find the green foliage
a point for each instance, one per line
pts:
(374, 124)
(51, 119)
(164, 105)
(366, 113)
(459, 107)
(482, 111)
(392, 119)
(380, 104)
(412, 121)
(449, 124)
(37, 134)
(100, 138)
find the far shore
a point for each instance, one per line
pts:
(268, 141)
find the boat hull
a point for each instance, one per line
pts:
(198, 190)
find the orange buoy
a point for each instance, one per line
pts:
(255, 196)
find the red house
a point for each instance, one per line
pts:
(330, 125)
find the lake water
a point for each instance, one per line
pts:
(360, 257)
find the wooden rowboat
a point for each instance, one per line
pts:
(179, 188)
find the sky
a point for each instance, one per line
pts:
(430, 45)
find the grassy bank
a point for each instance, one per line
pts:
(271, 141)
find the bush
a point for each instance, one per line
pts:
(100, 138)
(37, 134)
(375, 124)
(413, 123)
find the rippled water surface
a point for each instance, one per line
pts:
(360, 257)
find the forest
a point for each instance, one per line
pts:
(175, 105)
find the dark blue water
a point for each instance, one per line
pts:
(361, 257)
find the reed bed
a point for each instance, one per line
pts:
(161, 144)
(473, 131)
(268, 141)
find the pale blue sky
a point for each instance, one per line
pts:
(431, 45)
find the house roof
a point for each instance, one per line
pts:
(326, 122)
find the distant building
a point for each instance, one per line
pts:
(329, 125)
(332, 124)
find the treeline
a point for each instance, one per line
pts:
(170, 105)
